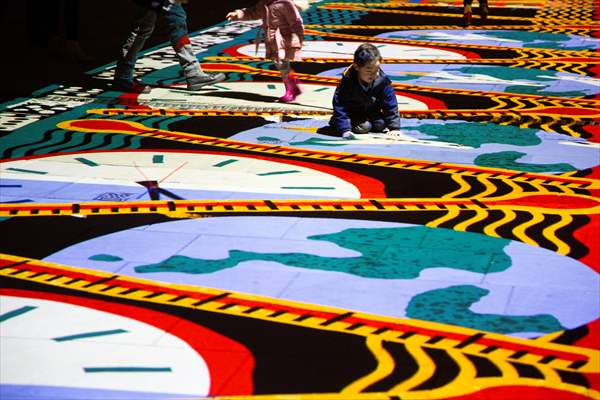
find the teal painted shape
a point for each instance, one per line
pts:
(224, 163)
(88, 335)
(105, 257)
(278, 173)
(507, 73)
(16, 313)
(319, 142)
(508, 160)
(158, 159)
(451, 306)
(386, 253)
(309, 142)
(86, 161)
(403, 78)
(27, 171)
(475, 134)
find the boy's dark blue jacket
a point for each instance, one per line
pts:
(352, 102)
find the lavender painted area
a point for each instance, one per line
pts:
(35, 392)
(541, 152)
(217, 239)
(67, 192)
(503, 38)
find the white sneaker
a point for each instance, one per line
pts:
(348, 135)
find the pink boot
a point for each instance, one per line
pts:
(295, 82)
(291, 89)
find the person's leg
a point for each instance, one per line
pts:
(142, 29)
(467, 12)
(378, 125)
(483, 10)
(289, 80)
(361, 126)
(176, 20)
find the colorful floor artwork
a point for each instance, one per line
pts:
(220, 244)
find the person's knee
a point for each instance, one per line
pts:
(145, 32)
(361, 127)
(378, 125)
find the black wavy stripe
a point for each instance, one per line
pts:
(572, 336)
(68, 136)
(405, 367)
(526, 187)
(476, 187)
(567, 234)
(463, 216)
(484, 367)
(493, 216)
(502, 188)
(527, 371)
(506, 230)
(573, 378)
(106, 141)
(85, 139)
(11, 150)
(127, 142)
(535, 232)
(446, 370)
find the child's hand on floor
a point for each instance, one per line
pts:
(232, 16)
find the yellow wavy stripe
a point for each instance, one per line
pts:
(490, 230)
(449, 216)
(489, 187)
(385, 366)
(567, 128)
(516, 191)
(501, 104)
(463, 187)
(479, 216)
(519, 231)
(426, 366)
(425, 13)
(519, 104)
(550, 234)
(464, 382)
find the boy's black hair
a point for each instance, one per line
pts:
(365, 54)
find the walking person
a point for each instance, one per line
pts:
(176, 20)
(364, 100)
(284, 33)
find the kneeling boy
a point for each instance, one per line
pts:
(364, 100)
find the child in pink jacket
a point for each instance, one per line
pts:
(284, 33)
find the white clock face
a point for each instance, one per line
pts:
(56, 347)
(237, 95)
(186, 175)
(343, 49)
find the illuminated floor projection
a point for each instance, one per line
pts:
(222, 244)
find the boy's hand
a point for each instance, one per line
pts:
(232, 16)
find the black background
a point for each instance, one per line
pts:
(28, 64)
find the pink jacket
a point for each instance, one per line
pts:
(283, 27)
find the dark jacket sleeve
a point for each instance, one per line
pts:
(340, 121)
(389, 109)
